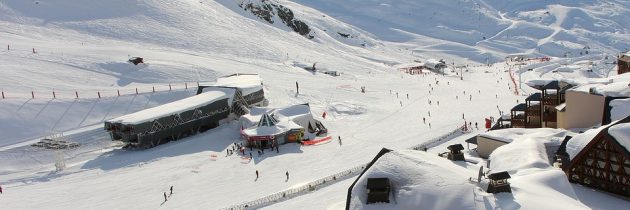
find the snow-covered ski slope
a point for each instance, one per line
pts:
(82, 46)
(480, 29)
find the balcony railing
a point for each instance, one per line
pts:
(533, 110)
(551, 99)
(550, 116)
(517, 123)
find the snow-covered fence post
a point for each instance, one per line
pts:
(54, 95)
(33, 94)
(169, 87)
(154, 89)
(2, 94)
(136, 91)
(118, 92)
(8, 48)
(186, 85)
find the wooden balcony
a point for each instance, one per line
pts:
(533, 110)
(551, 99)
(550, 116)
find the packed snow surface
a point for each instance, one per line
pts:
(65, 65)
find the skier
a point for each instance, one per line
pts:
(476, 126)
(0, 189)
(424, 120)
(297, 87)
(287, 175)
(256, 174)
(407, 95)
(250, 155)
(171, 190)
(339, 137)
(165, 197)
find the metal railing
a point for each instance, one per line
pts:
(328, 180)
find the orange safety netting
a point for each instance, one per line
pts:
(317, 141)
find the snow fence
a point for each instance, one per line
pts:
(331, 179)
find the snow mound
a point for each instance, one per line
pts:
(417, 179)
(527, 150)
(346, 109)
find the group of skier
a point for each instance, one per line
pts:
(169, 195)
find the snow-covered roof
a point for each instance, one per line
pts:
(621, 133)
(527, 150)
(615, 86)
(620, 109)
(578, 142)
(267, 121)
(561, 107)
(279, 113)
(247, 83)
(279, 127)
(511, 134)
(176, 107)
(286, 118)
(420, 179)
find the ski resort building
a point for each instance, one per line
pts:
(215, 103)
(172, 121)
(435, 65)
(249, 86)
(265, 127)
(600, 158)
(593, 104)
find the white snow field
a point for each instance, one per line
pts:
(78, 51)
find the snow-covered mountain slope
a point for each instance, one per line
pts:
(481, 29)
(82, 46)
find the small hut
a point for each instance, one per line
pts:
(378, 190)
(455, 152)
(136, 60)
(498, 183)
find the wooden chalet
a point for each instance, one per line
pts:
(601, 162)
(623, 63)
